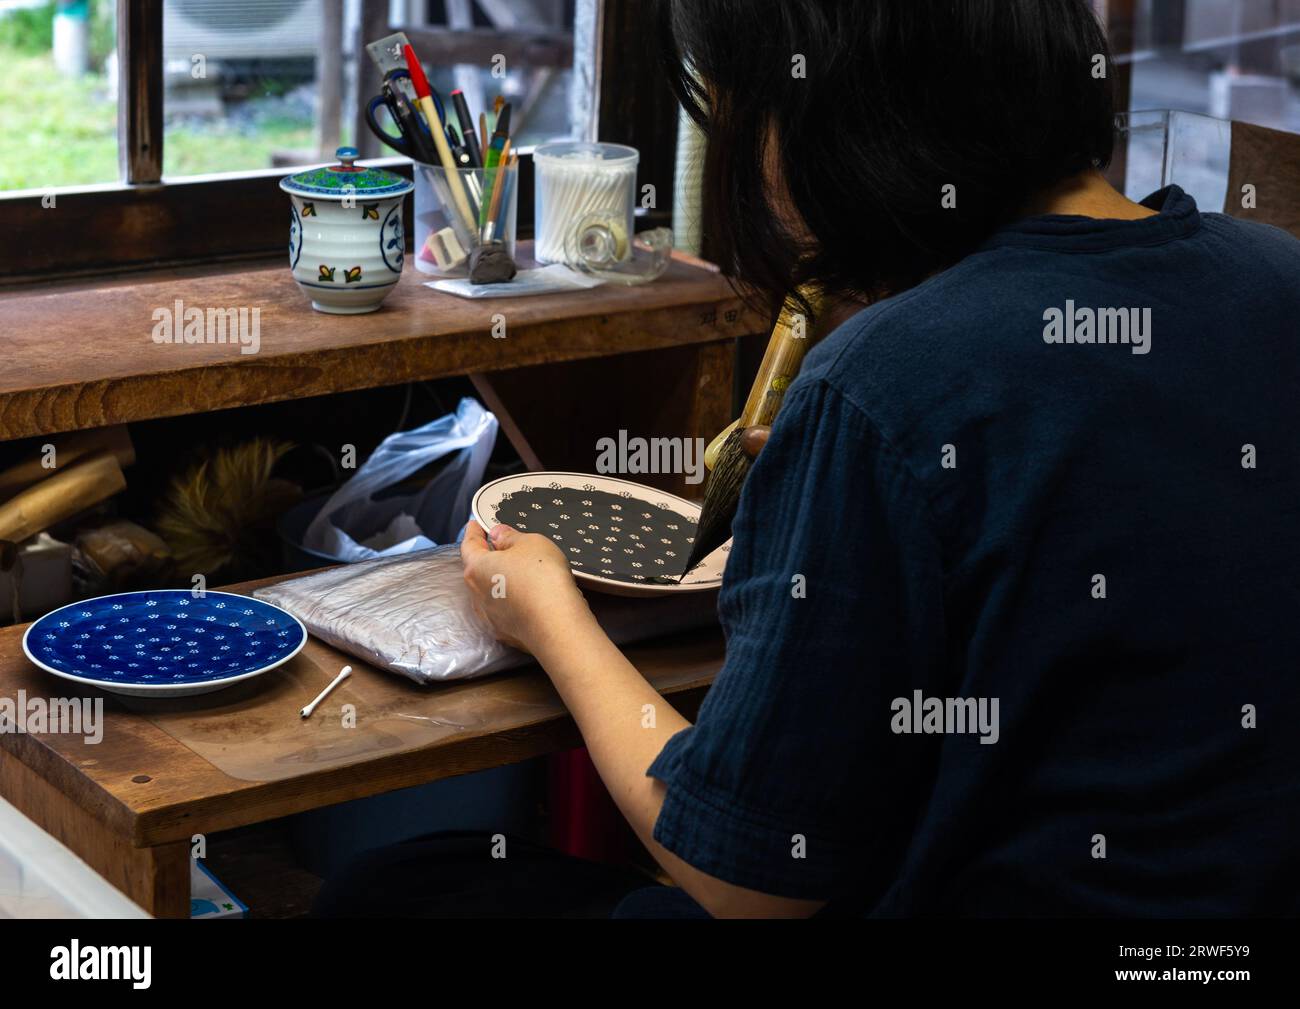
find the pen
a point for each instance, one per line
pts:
(467, 131)
(459, 150)
(473, 181)
(408, 122)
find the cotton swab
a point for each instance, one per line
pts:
(571, 189)
(343, 675)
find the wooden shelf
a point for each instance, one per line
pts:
(83, 356)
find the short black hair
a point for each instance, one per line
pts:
(900, 98)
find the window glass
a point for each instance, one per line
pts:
(58, 101)
(256, 84)
(240, 80)
(538, 85)
(1231, 59)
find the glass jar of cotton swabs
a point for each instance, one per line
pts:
(586, 204)
(576, 181)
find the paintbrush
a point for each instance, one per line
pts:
(493, 155)
(424, 99)
(498, 185)
(785, 352)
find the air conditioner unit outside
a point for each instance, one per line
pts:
(237, 31)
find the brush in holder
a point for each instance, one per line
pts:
(447, 230)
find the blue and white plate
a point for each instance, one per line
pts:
(164, 643)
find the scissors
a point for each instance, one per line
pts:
(414, 139)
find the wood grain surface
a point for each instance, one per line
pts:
(85, 357)
(1269, 160)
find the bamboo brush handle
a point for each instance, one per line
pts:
(781, 363)
(72, 490)
(69, 448)
(449, 165)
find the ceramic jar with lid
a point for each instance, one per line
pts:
(346, 239)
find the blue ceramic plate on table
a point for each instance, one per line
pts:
(164, 643)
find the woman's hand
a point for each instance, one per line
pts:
(522, 585)
(754, 438)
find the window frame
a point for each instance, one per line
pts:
(145, 221)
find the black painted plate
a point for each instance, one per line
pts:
(620, 537)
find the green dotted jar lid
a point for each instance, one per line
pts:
(346, 179)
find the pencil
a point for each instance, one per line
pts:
(507, 184)
(483, 134)
(498, 184)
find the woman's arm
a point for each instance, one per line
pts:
(623, 720)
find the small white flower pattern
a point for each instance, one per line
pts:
(166, 654)
(595, 529)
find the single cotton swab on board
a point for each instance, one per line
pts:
(343, 675)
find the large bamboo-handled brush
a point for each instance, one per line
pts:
(730, 462)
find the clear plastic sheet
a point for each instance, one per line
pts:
(252, 731)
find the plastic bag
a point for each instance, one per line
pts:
(411, 614)
(352, 526)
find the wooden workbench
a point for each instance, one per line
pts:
(131, 804)
(571, 368)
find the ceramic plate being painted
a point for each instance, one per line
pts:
(620, 537)
(164, 643)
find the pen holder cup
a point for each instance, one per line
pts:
(450, 224)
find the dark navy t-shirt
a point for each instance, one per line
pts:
(1013, 603)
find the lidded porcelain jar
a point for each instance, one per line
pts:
(346, 240)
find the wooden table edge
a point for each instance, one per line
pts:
(245, 802)
(466, 754)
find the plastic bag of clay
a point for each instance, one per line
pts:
(357, 524)
(409, 613)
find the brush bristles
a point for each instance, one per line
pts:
(215, 513)
(721, 499)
